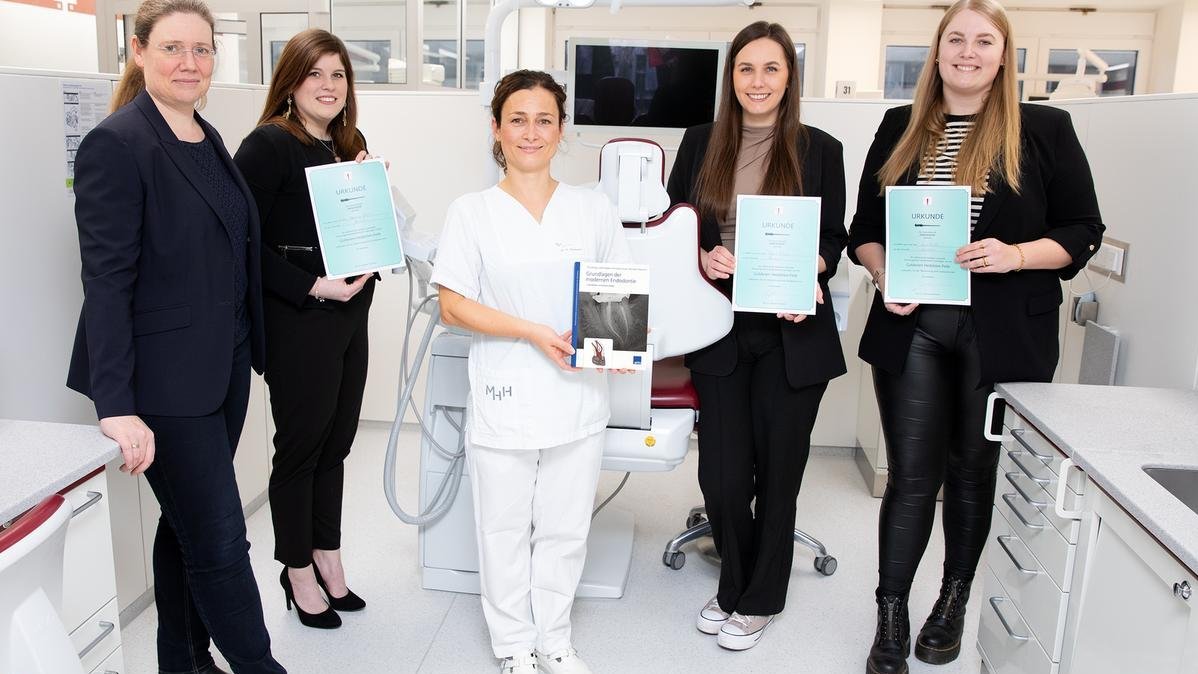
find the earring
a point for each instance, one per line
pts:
(344, 117)
(287, 115)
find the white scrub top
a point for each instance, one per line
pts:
(494, 252)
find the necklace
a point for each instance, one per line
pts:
(328, 146)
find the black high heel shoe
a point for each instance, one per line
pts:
(325, 620)
(350, 602)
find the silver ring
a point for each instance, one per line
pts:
(134, 445)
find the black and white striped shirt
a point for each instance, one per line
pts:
(944, 164)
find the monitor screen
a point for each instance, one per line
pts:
(659, 85)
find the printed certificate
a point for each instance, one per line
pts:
(355, 217)
(925, 225)
(777, 254)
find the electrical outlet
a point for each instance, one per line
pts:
(1110, 259)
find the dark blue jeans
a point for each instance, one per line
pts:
(203, 584)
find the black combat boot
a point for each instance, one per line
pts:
(939, 641)
(892, 643)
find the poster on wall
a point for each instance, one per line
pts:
(84, 104)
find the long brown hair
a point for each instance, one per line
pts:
(299, 55)
(784, 172)
(993, 144)
(521, 80)
(149, 13)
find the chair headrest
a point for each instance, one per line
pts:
(632, 174)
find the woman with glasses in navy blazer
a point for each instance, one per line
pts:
(170, 325)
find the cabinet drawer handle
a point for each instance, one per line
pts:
(1009, 499)
(989, 420)
(1018, 435)
(1062, 483)
(1182, 590)
(1038, 505)
(994, 602)
(106, 628)
(93, 497)
(1002, 543)
(1015, 460)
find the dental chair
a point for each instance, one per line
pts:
(33, 639)
(686, 312)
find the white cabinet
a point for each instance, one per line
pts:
(1135, 611)
(89, 605)
(1030, 557)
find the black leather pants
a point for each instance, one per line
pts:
(932, 418)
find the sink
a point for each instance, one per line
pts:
(1181, 482)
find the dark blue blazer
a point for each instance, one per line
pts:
(156, 330)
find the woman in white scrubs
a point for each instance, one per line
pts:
(534, 426)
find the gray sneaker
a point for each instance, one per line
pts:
(711, 618)
(742, 632)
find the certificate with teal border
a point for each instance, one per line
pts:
(355, 217)
(777, 254)
(925, 225)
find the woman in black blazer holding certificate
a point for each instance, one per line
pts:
(170, 325)
(1035, 221)
(316, 328)
(760, 386)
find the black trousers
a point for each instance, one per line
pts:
(754, 440)
(204, 587)
(316, 362)
(932, 418)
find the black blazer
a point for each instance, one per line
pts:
(1015, 314)
(811, 347)
(273, 162)
(156, 330)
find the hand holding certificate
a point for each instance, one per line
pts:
(777, 254)
(355, 217)
(925, 225)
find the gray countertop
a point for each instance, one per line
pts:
(1112, 432)
(39, 458)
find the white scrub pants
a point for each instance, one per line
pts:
(532, 510)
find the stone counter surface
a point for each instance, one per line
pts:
(1112, 433)
(40, 458)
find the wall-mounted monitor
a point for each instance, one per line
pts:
(649, 85)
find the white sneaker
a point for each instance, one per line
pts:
(711, 618)
(519, 664)
(742, 632)
(563, 662)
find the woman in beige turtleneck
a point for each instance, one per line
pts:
(760, 386)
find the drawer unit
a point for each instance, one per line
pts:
(1007, 644)
(98, 636)
(1029, 524)
(1027, 586)
(1026, 438)
(88, 574)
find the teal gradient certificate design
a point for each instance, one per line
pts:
(355, 217)
(925, 225)
(777, 254)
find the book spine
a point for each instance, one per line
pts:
(574, 326)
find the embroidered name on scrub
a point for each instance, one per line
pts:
(499, 393)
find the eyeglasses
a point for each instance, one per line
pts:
(174, 51)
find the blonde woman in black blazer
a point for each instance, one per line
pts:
(760, 386)
(1035, 222)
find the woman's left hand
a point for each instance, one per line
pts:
(362, 156)
(798, 318)
(988, 256)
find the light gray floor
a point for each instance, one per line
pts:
(826, 629)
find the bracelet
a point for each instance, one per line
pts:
(878, 274)
(1022, 259)
(316, 293)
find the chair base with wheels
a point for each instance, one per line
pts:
(698, 527)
